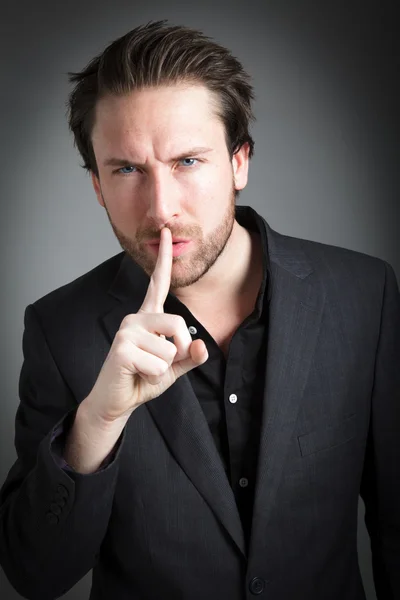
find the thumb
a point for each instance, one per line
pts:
(198, 356)
(198, 352)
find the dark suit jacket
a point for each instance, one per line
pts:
(161, 521)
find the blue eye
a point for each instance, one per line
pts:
(183, 159)
(129, 168)
(125, 173)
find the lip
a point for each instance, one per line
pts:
(177, 249)
(174, 240)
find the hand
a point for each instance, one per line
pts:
(141, 363)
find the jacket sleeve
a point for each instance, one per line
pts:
(380, 487)
(52, 522)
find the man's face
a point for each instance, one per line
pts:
(175, 171)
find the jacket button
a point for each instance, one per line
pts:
(51, 518)
(62, 490)
(59, 499)
(257, 585)
(55, 508)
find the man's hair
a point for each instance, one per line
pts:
(154, 55)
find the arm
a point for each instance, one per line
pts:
(43, 509)
(380, 487)
(58, 440)
(89, 443)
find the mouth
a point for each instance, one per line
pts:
(175, 239)
(178, 248)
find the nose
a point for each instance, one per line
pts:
(162, 197)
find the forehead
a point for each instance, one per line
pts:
(179, 110)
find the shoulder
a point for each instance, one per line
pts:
(85, 294)
(329, 263)
(354, 282)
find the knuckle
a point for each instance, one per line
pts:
(161, 368)
(128, 320)
(179, 320)
(172, 350)
(121, 337)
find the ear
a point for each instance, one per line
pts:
(240, 165)
(97, 188)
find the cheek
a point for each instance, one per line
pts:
(210, 183)
(122, 204)
(120, 186)
(121, 195)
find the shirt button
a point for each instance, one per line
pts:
(243, 482)
(192, 330)
(233, 398)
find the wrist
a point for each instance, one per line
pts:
(90, 440)
(88, 415)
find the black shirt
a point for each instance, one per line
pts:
(230, 391)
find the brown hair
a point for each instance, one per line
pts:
(156, 54)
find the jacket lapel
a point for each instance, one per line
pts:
(295, 314)
(294, 319)
(179, 416)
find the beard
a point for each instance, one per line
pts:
(191, 266)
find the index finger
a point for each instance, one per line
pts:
(160, 280)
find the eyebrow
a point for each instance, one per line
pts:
(120, 162)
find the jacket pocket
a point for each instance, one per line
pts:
(329, 437)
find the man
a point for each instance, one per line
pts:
(198, 417)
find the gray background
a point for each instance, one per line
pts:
(325, 166)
